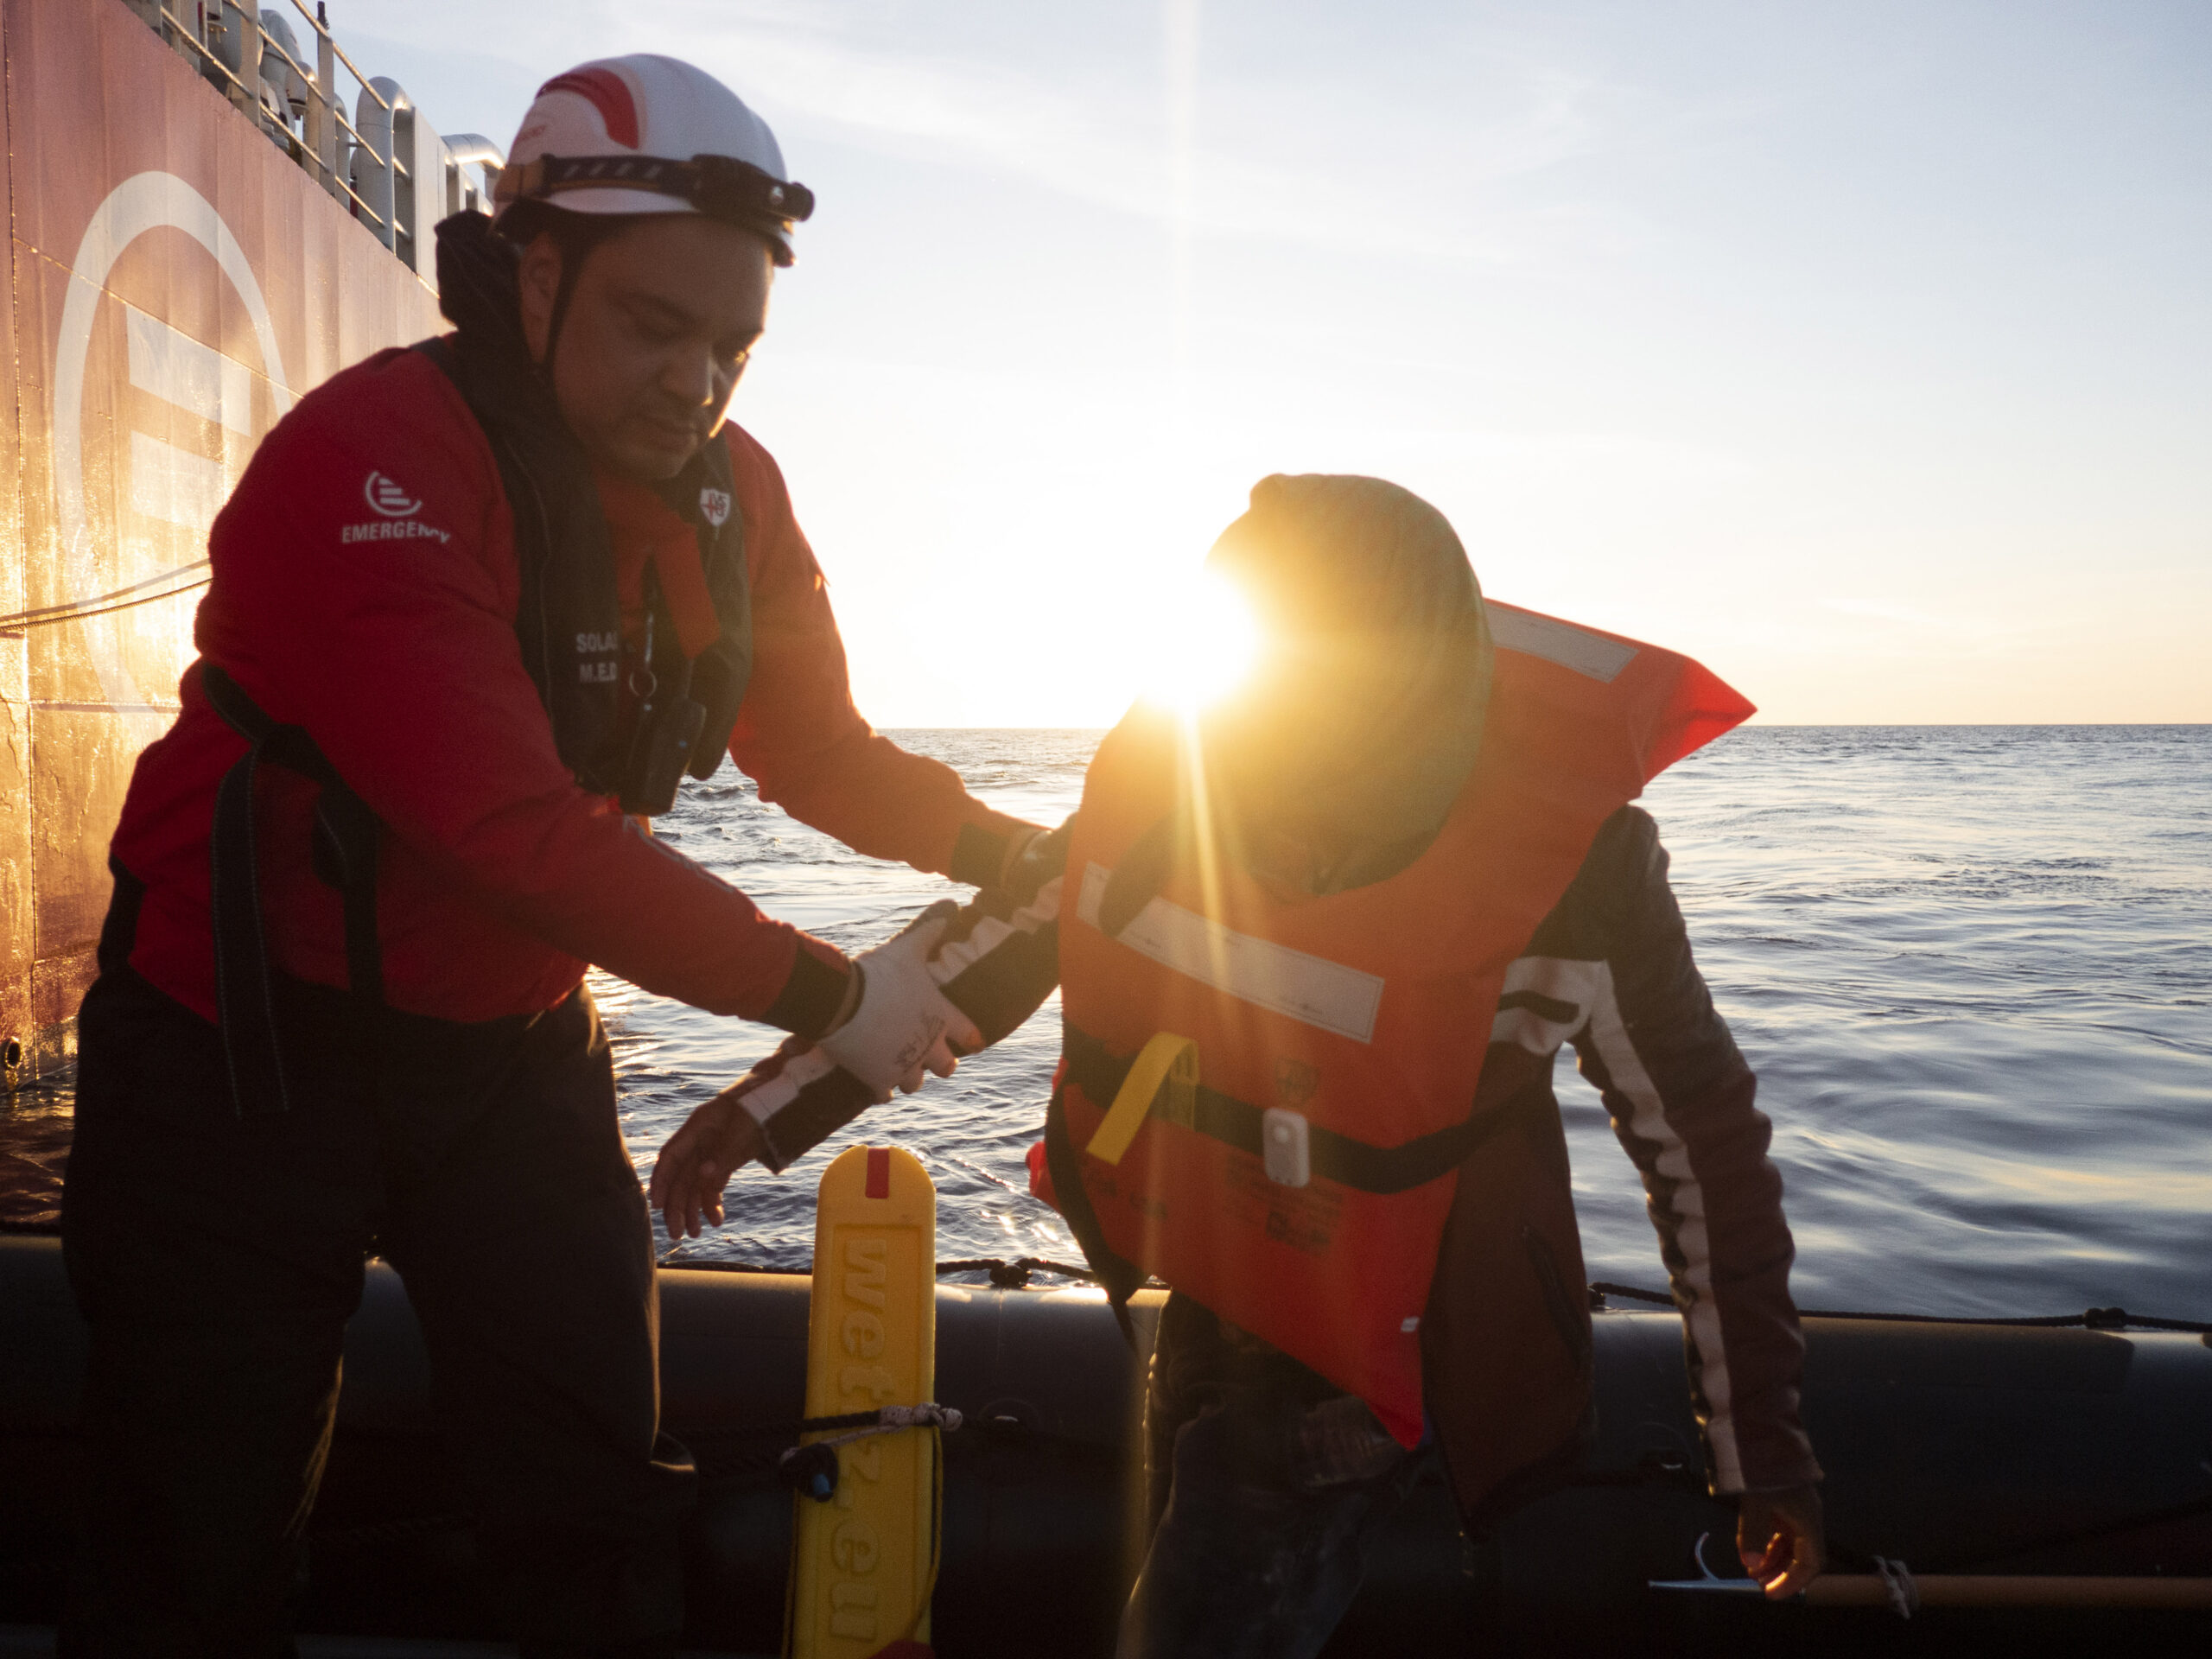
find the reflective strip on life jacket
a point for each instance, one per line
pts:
(1294, 984)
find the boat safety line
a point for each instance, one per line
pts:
(889, 1420)
(2094, 1318)
(1014, 1275)
(928, 1414)
(1005, 1275)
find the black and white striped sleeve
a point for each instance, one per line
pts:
(1682, 1102)
(999, 961)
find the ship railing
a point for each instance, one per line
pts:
(383, 164)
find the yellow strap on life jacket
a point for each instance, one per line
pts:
(1166, 1060)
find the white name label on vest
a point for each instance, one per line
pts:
(1310, 990)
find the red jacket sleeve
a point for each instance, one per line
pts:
(391, 640)
(799, 736)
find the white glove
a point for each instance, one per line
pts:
(902, 1026)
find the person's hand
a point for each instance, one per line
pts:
(901, 1027)
(1782, 1539)
(716, 1140)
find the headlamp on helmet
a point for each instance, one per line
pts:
(721, 187)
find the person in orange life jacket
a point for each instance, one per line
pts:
(1446, 778)
(476, 606)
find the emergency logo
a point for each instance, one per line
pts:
(397, 509)
(385, 496)
(713, 506)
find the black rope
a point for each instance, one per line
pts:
(2094, 1318)
(1600, 1290)
(121, 599)
(1005, 1275)
(771, 1431)
(707, 1265)
(1014, 1275)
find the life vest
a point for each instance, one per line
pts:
(569, 620)
(1266, 1103)
(678, 717)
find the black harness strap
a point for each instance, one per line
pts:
(568, 613)
(346, 856)
(1117, 1275)
(1356, 1164)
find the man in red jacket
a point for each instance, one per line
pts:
(476, 608)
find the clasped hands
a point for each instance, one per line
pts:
(895, 1027)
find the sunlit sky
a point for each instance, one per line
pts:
(1864, 351)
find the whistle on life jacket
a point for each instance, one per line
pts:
(864, 1561)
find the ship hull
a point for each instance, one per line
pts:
(174, 281)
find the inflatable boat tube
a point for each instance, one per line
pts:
(1963, 1451)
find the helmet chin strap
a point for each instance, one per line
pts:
(576, 244)
(565, 291)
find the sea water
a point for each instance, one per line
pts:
(1972, 967)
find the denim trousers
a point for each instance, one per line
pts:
(1266, 1488)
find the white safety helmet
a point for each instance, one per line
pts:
(646, 134)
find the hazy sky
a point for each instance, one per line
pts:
(1863, 350)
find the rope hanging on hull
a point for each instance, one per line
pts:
(120, 599)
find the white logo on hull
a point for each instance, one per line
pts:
(146, 201)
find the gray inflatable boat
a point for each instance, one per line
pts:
(2043, 1487)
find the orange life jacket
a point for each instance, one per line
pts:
(1266, 1103)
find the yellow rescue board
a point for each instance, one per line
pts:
(862, 1563)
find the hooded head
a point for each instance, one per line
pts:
(1340, 756)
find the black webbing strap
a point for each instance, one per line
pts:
(346, 856)
(720, 186)
(1117, 1275)
(1333, 1157)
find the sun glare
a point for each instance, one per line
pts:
(1202, 646)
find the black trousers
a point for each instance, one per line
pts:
(217, 1260)
(1267, 1488)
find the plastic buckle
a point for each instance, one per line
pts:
(1283, 1147)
